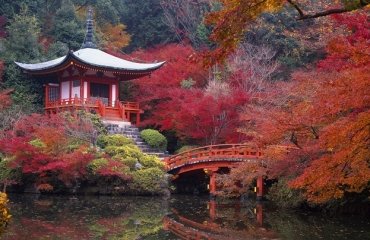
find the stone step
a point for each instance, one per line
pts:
(133, 133)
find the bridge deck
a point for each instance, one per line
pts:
(213, 154)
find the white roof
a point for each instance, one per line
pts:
(94, 57)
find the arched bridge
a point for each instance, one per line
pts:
(211, 159)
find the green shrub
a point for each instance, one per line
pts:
(96, 164)
(283, 196)
(113, 140)
(124, 151)
(185, 148)
(129, 162)
(150, 161)
(148, 181)
(154, 138)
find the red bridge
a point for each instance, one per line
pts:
(211, 158)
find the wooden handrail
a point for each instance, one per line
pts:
(212, 151)
(121, 109)
(131, 105)
(125, 109)
(101, 108)
(94, 101)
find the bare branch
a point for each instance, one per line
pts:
(303, 16)
(295, 5)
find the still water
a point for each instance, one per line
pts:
(180, 217)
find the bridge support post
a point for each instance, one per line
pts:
(212, 210)
(259, 188)
(259, 214)
(212, 183)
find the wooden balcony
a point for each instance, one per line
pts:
(119, 111)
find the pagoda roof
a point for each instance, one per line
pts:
(90, 58)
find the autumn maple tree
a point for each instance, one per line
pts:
(115, 36)
(341, 107)
(229, 23)
(41, 145)
(323, 115)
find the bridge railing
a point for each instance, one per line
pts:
(212, 152)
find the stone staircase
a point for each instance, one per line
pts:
(132, 132)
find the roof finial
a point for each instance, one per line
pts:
(89, 37)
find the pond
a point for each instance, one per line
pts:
(179, 217)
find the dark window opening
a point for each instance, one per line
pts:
(100, 90)
(76, 83)
(53, 94)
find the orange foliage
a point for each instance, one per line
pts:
(54, 139)
(250, 171)
(345, 165)
(230, 22)
(115, 36)
(325, 113)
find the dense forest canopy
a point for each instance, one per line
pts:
(266, 73)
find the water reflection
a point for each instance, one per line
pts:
(221, 221)
(181, 217)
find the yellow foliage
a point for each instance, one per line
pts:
(115, 36)
(4, 212)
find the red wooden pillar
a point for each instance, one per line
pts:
(212, 183)
(46, 95)
(137, 119)
(110, 95)
(212, 209)
(259, 214)
(70, 91)
(259, 188)
(82, 86)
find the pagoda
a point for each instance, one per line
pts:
(89, 79)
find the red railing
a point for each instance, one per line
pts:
(131, 105)
(125, 109)
(230, 151)
(121, 109)
(91, 102)
(101, 108)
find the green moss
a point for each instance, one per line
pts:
(154, 138)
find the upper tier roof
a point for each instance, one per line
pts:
(90, 57)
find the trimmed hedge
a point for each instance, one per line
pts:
(154, 138)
